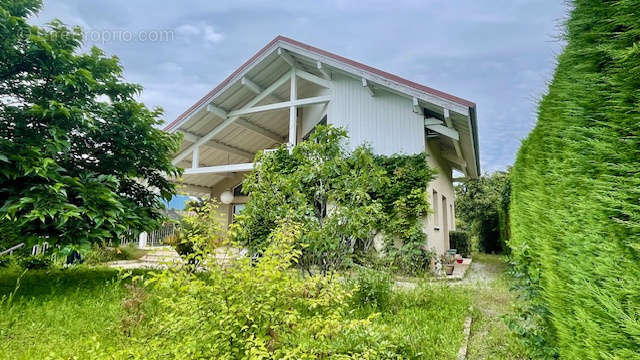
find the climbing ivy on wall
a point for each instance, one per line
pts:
(575, 207)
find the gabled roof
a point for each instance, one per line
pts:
(267, 65)
(282, 39)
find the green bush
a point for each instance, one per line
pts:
(575, 221)
(254, 310)
(340, 197)
(482, 206)
(373, 289)
(6, 261)
(33, 262)
(100, 254)
(460, 241)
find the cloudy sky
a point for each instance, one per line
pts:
(498, 53)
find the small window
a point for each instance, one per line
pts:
(434, 203)
(237, 191)
(237, 209)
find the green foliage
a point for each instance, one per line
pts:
(460, 241)
(340, 198)
(75, 145)
(482, 206)
(321, 186)
(575, 203)
(198, 229)
(404, 201)
(373, 289)
(100, 254)
(34, 262)
(109, 316)
(5, 261)
(251, 310)
(43, 311)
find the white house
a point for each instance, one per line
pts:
(288, 87)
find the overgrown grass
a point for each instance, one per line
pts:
(101, 254)
(492, 301)
(58, 313)
(427, 322)
(78, 312)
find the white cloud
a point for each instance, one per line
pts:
(187, 29)
(211, 35)
(200, 30)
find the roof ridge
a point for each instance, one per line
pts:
(384, 74)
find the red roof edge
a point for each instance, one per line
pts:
(362, 66)
(384, 74)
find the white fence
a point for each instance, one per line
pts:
(144, 239)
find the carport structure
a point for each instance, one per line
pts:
(258, 107)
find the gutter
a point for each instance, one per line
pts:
(473, 122)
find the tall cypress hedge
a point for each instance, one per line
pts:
(576, 192)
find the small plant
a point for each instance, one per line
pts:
(198, 231)
(5, 261)
(132, 305)
(101, 254)
(373, 289)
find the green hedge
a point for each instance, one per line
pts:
(575, 210)
(460, 241)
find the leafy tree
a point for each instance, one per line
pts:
(341, 199)
(80, 158)
(319, 185)
(483, 206)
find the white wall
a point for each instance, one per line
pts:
(385, 121)
(437, 239)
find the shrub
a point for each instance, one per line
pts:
(198, 229)
(460, 241)
(100, 254)
(373, 289)
(482, 206)
(341, 198)
(575, 220)
(259, 310)
(34, 262)
(6, 261)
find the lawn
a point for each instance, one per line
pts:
(59, 314)
(492, 301)
(78, 313)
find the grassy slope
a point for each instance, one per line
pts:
(69, 313)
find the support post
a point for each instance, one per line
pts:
(195, 158)
(293, 123)
(142, 240)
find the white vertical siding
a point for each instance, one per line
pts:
(386, 121)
